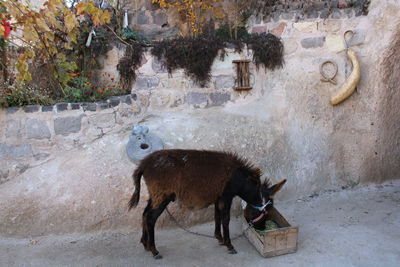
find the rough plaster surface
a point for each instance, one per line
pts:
(354, 227)
(65, 171)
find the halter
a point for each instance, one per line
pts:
(263, 212)
(261, 208)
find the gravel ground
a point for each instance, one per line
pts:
(351, 227)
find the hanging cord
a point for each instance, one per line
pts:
(346, 43)
(200, 234)
(326, 77)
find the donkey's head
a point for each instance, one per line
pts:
(256, 213)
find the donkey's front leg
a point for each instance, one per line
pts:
(225, 224)
(217, 218)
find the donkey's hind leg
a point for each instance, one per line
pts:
(150, 218)
(144, 238)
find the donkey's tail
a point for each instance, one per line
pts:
(137, 175)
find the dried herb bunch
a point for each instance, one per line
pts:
(267, 50)
(194, 54)
(129, 63)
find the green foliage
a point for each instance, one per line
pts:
(131, 35)
(24, 95)
(225, 33)
(49, 34)
(82, 89)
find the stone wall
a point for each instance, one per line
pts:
(64, 168)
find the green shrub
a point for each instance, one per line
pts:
(24, 95)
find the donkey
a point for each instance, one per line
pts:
(198, 179)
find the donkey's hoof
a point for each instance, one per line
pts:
(232, 251)
(157, 257)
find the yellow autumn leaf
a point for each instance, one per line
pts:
(52, 21)
(29, 54)
(2, 30)
(80, 8)
(72, 37)
(96, 19)
(30, 34)
(67, 46)
(27, 77)
(49, 36)
(105, 17)
(70, 22)
(42, 25)
(218, 12)
(90, 8)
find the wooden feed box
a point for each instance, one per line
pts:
(275, 242)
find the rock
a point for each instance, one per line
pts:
(47, 108)
(142, 18)
(224, 81)
(89, 106)
(160, 18)
(196, 98)
(31, 108)
(312, 14)
(75, 106)
(313, 42)
(13, 129)
(217, 99)
(324, 14)
(114, 101)
(146, 82)
(287, 15)
(305, 26)
(357, 39)
(67, 125)
(158, 66)
(12, 110)
(15, 151)
(279, 29)
(62, 107)
(330, 25)
(336, 14)
(290, 46)
(334, 42)
(155, 32)
(126, 99)
(102, 120)
(103, 105)
(37, 129)
(259, 29)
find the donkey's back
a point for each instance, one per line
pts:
(196, 178)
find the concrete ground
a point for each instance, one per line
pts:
(351, 227)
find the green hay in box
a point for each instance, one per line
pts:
(269, 225)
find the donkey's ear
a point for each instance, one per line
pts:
(276, 187)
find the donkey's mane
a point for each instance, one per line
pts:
(249, 167)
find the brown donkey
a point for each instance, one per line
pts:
(198, 179)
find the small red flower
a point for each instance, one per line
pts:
(88, 76)
(101, 91)
(112, 79)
